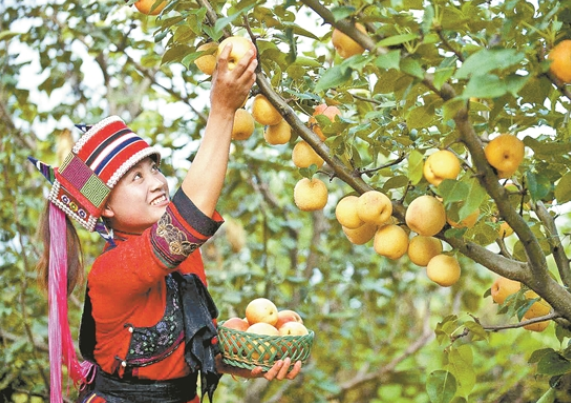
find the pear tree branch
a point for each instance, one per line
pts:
(559, 255)
(346, 26)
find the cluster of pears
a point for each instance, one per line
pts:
(503, 288)
(311, 194)
(369, 216)
(264, 318)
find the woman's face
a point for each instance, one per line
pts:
(139, 199)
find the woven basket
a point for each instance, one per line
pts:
(249, 350)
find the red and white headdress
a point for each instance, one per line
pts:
(97, 162)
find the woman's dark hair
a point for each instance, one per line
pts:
(75, 268)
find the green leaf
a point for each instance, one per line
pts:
(412, 67)
(537, 355)
(309, 171)
(441, 386)
(176, 54)
(415, 165)
(419, 117)
(444, 71)
(474, 198)
(562, 333)
(563, 189)
(461, 364)
(222, 23)
(553, 364)
(538, 185)
(515, 83)
(397, 40)
(307, 61)
(442, 75)
(489, 86)
(390, 60)
(297, 30)
(484, 61)
(544, 149)
(332, 78)
(477, 330)
(453, 191)
(451, 107)
(427, 19)
(395, 182)
(340, 13)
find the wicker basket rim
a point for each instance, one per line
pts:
(310, 334)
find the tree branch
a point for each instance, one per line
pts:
(346, 26)
(559, 255)
(523, 323)
(341, 171)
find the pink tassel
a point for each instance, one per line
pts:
(61, 347)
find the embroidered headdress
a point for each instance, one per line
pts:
(81, 186)
(98, 160)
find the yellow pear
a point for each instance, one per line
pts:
(423, 248)
(328, 111)
(560, 58)
(537, 326)
(303, 155)
(360, 235)
(240, 48)
(243, 125)
(467, 222)
(502, 288)
(505, 153)
(310, 194)
(207, 62)
(150, 7)
(391, 241)
(264, 112)
(443, 164)
(505, 230)
(444, 270)
(344, 45)
(374, 207)
(278, 134)
(539, 308)
(346, 212)
(425, 215)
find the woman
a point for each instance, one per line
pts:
(148, 324)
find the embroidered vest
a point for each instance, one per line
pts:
(148, 345)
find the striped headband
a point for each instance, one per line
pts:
(96, 163)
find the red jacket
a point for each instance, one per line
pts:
(127, 284)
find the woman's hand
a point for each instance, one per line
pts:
(231, 87)
(279, 371)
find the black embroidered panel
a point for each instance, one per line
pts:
(152, 344)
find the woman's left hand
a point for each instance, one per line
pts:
(279, 371)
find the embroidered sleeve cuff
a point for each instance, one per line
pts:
(181, 230)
